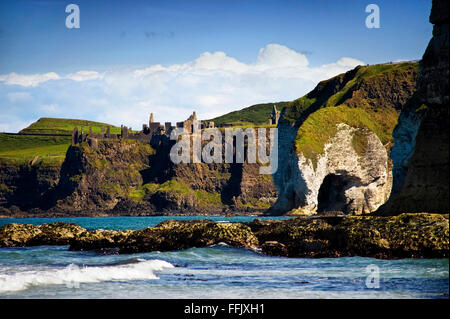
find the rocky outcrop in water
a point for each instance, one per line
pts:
(59, 233)
(421, 182)
(403, 236)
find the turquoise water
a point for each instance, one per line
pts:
(126, 222)
(213, 272)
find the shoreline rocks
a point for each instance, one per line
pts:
(420, 235)
(58, 233)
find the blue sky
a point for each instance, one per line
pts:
(41, 60)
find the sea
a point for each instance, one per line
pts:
(217, 271)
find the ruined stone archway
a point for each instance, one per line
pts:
(332, 196)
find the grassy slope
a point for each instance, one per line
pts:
(49, 148)
(322, 96)
(253, 115)
(319, 113)
(22, 149)
(53, 126)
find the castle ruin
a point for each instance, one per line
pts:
(153, 133)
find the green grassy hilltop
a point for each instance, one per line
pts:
(366, 97)
(22, 149)
(55, 126)
(257, 114)
(45, 141)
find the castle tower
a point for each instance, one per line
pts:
(194, 116)
(275, 115)
(151, 119)
(124, 131)
(75, 136)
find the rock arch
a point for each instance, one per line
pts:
(332, 194)
(364, 179)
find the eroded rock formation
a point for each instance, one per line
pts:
(341, 179)
(345, 180)
(335, 142)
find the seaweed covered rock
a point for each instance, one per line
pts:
(99, 239)
(298, 237)
(172, 235)
(58, 233)
(404, 236)
(13, 235)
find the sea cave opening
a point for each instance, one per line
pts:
(331, 195)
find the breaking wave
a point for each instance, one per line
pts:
(73, 275)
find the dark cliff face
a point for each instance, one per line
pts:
(422, 181)
(129, 177)
(236, 186)
(98, 178)
(24, 186)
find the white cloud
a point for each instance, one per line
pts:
(84, 76)
(28, 80)
(213, 84)
(275, 55)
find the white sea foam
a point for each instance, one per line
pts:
(73, 275)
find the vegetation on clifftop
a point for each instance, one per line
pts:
(44, 142)
(368, 97)
(349, 86)
(314, 133)
(253, 115)
(16, 149)
(54, 126)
